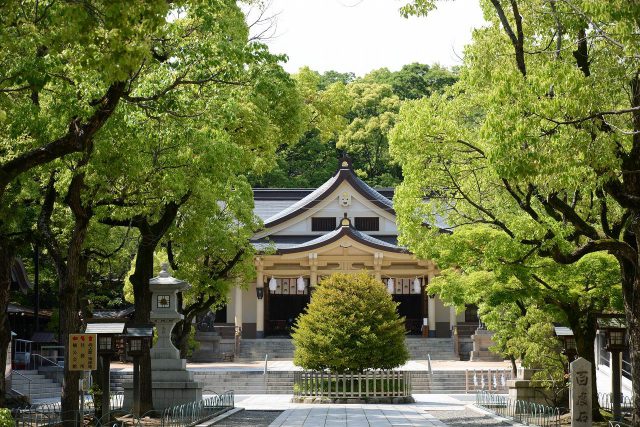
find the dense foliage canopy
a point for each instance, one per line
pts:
(534, 154)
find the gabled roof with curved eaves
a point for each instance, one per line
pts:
(344, 230)
(344, 173)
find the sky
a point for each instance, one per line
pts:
(363, 35)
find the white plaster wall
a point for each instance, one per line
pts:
(335, 210)
(231, 306)
(249, 301)
(442, 312)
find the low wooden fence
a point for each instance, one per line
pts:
(350, 385)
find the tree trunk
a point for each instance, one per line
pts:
(631, 293)
(142, 300)
(71, 283)
(181, 336)
(6, 261)
(150, 236)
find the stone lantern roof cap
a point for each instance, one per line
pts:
(165, 278)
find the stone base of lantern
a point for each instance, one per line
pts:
(209, 348)
(482, 340)
(172, 385)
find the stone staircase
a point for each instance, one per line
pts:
(443, 382)
(281, 382)
(436, 348)
(240, 381)
(276, 348)
(35, 386)
(282, 348)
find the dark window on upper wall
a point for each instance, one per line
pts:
(368, 223)
(323, 223)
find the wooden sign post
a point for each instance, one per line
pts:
(580, 398)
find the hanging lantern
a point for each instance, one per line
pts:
(300, 284)
(390, 285)
(416, 286)
(273, 284)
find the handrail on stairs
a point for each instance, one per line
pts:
(429, 367)
(53, 363)
(25, 377)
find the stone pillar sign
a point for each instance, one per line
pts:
(580, 397)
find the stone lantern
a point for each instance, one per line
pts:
(614, 327)
(172, 384)
(164, 312)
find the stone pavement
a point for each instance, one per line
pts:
(358, 415)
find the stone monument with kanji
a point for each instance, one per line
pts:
(580, 393)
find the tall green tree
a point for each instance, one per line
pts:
(312, 159)
(365, 139)
(415, 80)
(97, 81)
(541, 135)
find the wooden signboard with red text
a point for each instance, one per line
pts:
(83, 352)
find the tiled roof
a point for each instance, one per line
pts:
(304, 202)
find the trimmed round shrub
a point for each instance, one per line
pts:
(351, 324)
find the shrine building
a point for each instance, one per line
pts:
(343, 226)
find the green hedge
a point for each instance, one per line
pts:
(6, 420)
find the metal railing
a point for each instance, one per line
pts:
(37, 361)
(193, 413)
(44, 414)
(521, 411)
(28, 395)
(487, 379)
(351, 385)
(188, 414)
(606, 402)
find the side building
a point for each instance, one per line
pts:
(343, 226)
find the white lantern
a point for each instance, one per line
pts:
(300, 284)
(273, 285)
(390, 285)
(416, 286)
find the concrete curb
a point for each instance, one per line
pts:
(475, 408)
(220, 417)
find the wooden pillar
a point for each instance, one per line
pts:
(237, 303)
(377, 265)
(313, 276)
(260, 304)
(452, 318)
(431, 310)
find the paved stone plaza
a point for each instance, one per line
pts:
(456, 408)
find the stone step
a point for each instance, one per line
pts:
(34, 385)
(419, 349)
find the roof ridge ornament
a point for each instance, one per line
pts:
(345, 162)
